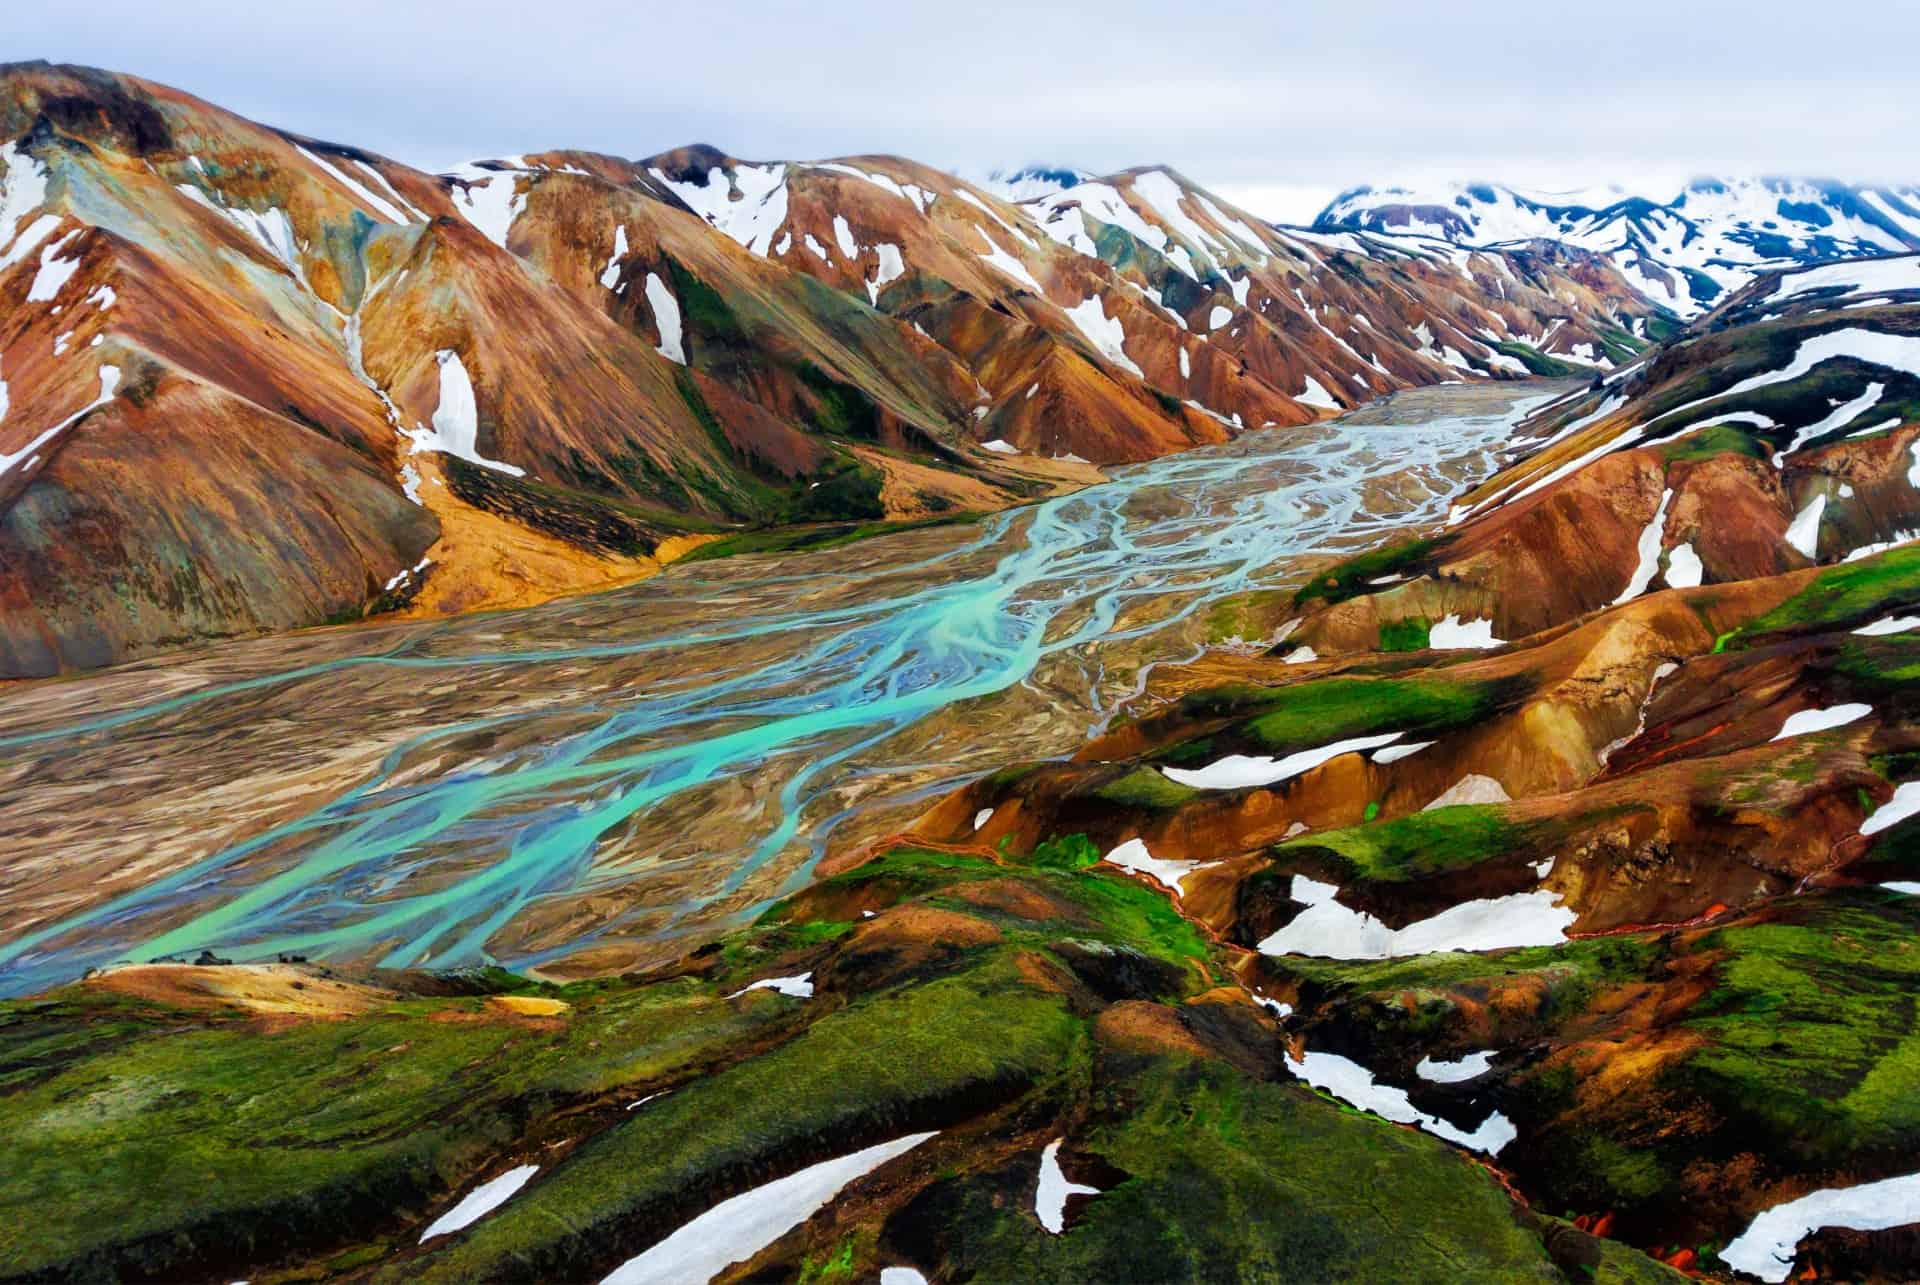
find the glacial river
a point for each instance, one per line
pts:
(606, 780)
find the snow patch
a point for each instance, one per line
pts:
(1105, 333)
(666, 316)
(1354, 1084)
(456, 420)
(1808, 721)
(799, 986)
(738, 1228)
(1133, 855)
(1767, 1248)
(481, 1201)
(1904, 803)
(1470, 1067)
(1050, 1197)
(1241, 771)
(1451, 634)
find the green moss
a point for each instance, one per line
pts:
(1842, 595)
(1335, 709)
(1538, 363)
(840, 409)
(1245, 616)
(1410, 634)
(1148, 790)
(1413, 847)
(1350, 579)
(1066, 852)
(1812, 1028)
(1721, 439)
(888, 1064)
(147, 1140)
(1231, 1179)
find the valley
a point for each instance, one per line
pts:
(685, 718)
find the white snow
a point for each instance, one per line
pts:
(1050, 1197)
(1808, 721)
(666, 316)
(1803, 533)
(981, 817)
(843, 234)
(999, 447)
(1872, 347)
(1394, 753)
(23, 192)
(1767, 1248)
(1105, 333)
(1316, 394)
(1330, 930)
(488, 201)
(740, 1227)
(1241, 771)
(1354, 1084)
(1451, 634)
(1907, 536)
(1007, 264)
(1884, 625)
(353, 185)
(1300, 655)
(1133, 855)
(1904, 803)
(102, 295)
(1683, 567)
(1844, 413)
(1871, 276)
(109, 380)
(1219, 317)
(611, 273)
(54, 272)
(456, 420)
(480, 1202)
(901, 1276)
(799, 986)
(755, 218)
(1649, 552)
(1470, 1067)
(891, 266)
(912, 193)
(381, 179)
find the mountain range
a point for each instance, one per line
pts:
(258, 381)
(1684, 253)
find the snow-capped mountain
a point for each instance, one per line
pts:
(1685, 252)
(367, 381)
(1030, 182)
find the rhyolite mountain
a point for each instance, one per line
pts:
(1686, 253)
(1576, 843)
(257, 381)
(1536, 899)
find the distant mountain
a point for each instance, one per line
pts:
(254, 380)
(1685, 253)
(1031, 181)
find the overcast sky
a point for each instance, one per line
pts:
(1275, 104)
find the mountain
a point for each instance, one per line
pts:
(1684, 253)
(258, 381)
(1580, 831)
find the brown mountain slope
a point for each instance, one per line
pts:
(605, 354)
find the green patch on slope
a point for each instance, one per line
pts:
(1350, 579)
(1842, 595)
(1416, 846)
